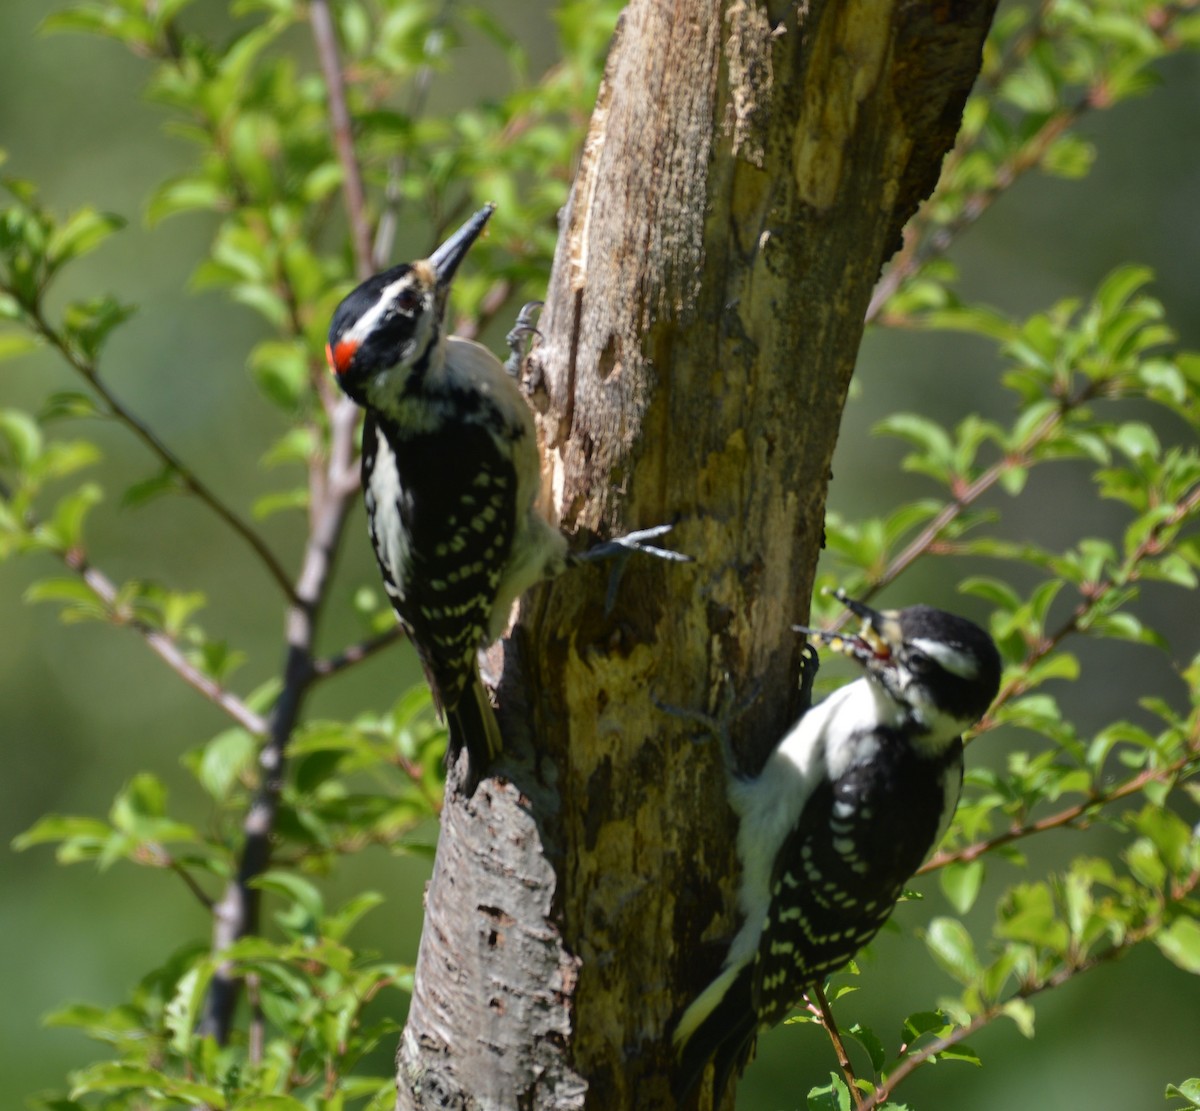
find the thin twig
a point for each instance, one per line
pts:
(237, 915)
(825, 1013)
(343, 135)
(355, 653)
(1071, 815)
(331, 490)
(187, 476)
(190, 882)
(163, 646)
(1027, 991)
(385, 232)
(924, 243)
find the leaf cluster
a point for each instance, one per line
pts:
(1098, 385)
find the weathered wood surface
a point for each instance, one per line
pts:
(748, 169)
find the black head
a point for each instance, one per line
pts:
(943, 668)
(394, 319)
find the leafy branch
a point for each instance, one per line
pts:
(23, 288)
(1044, 69)
(237, 914)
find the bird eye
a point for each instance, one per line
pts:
(919, 663)
(407, 300)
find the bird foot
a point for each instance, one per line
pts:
(620, 548)
(522, 330)
(718, 725)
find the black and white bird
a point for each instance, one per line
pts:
(450, 473)
(846, 808)
(451, 477)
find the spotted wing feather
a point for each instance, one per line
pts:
(844, 866)
(442, 567)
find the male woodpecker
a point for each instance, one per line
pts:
(451, 477)
(844, 811)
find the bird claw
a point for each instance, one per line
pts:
(620, 548)
(810, 664)
(718, 725)
(520, 331)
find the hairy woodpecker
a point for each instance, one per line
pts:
(844, 811)
(451, 477)
(450, 473)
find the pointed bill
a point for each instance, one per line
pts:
(446, 258)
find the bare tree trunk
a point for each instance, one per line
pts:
(748, 169)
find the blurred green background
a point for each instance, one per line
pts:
(82, 708)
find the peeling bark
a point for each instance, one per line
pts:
(748, 169)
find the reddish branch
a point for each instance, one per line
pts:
(191, 482)
(163, 645)
(331, 490)
(342, 131)
(1027, 991)
(160, 643)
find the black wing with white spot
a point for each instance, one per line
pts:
(860, 838)
(453, 492)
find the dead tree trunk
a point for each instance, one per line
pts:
(748, 169)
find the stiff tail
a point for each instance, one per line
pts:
(473, 726)
(718, 1026)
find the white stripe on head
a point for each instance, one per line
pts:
(962, 664)
(369, 320)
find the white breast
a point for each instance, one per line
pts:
(823, 743)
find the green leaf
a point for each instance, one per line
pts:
(80, 234)
(920, 1023)
(1028, 914)
(282, 372)
(952, 948)
(1120, 286)
(295, 888)
(221, 762)
(960, 1052)
(1189, 1090)
(269, 1103)
(167, 481)
(960, 882)
(1070, 156)
(1021, 1012)
(13, 344)
(54, 828)
(20, 438)
(65, 526)
(871, 1043)
(117, 1077)
(338, 925)
(71, 591)
(69, 403)
(1180, 944)
(183, 1010)
(281, 500)
(88, 323)
(1137, 441)
(999, 593)
(834, 1096)
(184, 194)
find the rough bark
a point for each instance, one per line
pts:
(748, 169)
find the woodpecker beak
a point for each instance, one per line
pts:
(446, 258)
(873, 644)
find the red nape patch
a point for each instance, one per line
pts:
(339, 355)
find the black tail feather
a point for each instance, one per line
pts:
(725, 1036)
(472, 724)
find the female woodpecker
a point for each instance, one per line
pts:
(450, 475)
(845, 809)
